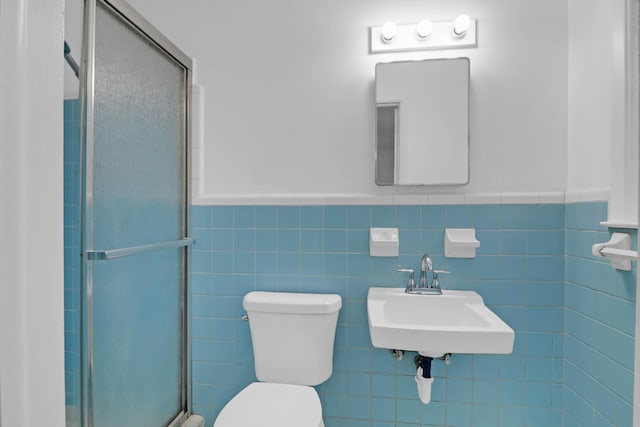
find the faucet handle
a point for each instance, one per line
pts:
(435, 283)
(411, 283)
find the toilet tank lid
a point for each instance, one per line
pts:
(287, 302)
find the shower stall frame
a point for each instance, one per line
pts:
(87, 79)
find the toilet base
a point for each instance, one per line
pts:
(272, 405)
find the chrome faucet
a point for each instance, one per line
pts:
(424, 288)
(426, 265)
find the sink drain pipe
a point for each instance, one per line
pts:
(423, 377)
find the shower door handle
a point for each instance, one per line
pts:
(98, 255)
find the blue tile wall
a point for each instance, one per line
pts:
(72, 251)
(519, 271)
(599, 326)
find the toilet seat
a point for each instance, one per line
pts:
(272, 405)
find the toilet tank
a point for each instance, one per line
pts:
(292, 335)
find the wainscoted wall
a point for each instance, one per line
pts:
(519, 271)
(573, 313)
(599, 326)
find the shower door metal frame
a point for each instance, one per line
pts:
(87, 87)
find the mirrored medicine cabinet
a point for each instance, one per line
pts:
(422, 122)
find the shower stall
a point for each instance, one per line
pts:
(127, 229)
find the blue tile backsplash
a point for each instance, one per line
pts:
(574, 315)
(599, 326)
(72, 251)
(572, 363)
(519, 271)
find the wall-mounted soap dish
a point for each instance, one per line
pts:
(384, 242)
(460, 243)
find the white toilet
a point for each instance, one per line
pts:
(292, 336)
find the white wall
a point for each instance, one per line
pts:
(289, 92)
(625, 140)
(603, 106)
(31, 214)
(591, 77)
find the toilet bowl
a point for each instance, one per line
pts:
(272, 405)
(292, 336)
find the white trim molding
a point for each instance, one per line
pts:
(384, 199)
(594, 195)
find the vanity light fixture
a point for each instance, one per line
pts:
(461, 25)
(423, 29)
(388, 32)
(424, 35)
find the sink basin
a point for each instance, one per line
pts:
(454, 322)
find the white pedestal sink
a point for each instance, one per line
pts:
(434, 325)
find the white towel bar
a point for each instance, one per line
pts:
(617, 250)
(620, 253)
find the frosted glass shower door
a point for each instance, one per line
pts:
(134, 222)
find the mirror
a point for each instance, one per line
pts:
(422, 122)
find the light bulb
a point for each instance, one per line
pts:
(423, 28)
(461, 25)
(389, 30)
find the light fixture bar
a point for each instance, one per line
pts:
(406, 38)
